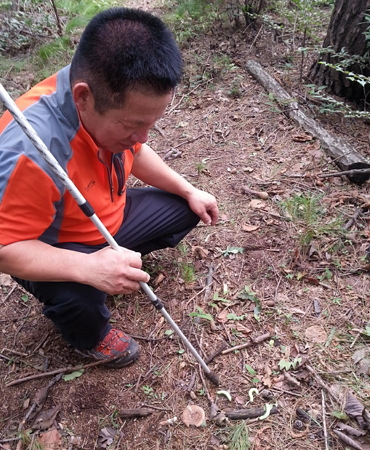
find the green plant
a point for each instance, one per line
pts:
(187, 272)
(200, 167)
(148, 390)
(307, 212)
(201, 314)
(288, 365)
(232, 251)
(239, 437)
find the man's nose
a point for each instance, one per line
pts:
(140, 136)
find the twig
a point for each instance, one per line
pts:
(55, 372)
(352, 220)
(39, 401)
(159, 129)
(217, 352)
(169, 152)
(324, 420)
(355, 339)
(205, 385)
(148, 339)
(15, 352)
(209, 282)
(322, 384)
(286, 392)
(10, 293)
(344, 172)
(60, 30)
(196, 295)
(254, 341)
(159, 408)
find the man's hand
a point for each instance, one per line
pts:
(204, 205)
(116, 272)
(111, 271)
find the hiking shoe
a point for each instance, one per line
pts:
(115, 344)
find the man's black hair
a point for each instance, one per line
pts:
(123, 49)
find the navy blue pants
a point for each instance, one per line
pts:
(154, 219)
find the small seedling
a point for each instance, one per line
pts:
(232, 251)
(201, 314)
(239, 437)
(288, 365)
(148, 390)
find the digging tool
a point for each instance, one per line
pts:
(87, 209)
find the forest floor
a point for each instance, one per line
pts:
(284, 271)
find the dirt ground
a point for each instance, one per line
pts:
(303, 309)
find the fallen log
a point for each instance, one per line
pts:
(342, 153)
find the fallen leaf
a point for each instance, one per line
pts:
(158, 279)
(242, 328)
(222, 317)
(316, 334)
(51, 440)
(257, 204)
(5, 280)
(347, 440)
(249, 228)
(355, 409)
(106, 437)
(362, 358)
(200, 252)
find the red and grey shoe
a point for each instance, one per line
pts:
(116, 344)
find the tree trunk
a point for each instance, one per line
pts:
(346, 31)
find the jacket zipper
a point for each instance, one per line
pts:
(117, 162)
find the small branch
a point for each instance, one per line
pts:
(209, 282)
(172, 152)
(344, 172)
(55, 372)
(322, 384)
(10, 293)
(132, 413)
(158, 408)
(254, 341)
(220, 349)
(352, 220)
(324, 420)
(60, 30)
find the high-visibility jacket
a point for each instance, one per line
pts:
(34, 204)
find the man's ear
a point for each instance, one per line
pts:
(82, 96)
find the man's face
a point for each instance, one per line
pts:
(119, 129)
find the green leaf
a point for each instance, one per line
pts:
(71, 376)
(25, 297)
(250, 369)
(233, 251)
(201, 314)
(168, 332)
(340, 415)
(232, 316)
(284, 364)
(181, 351)
(257, 309)
(247, 294)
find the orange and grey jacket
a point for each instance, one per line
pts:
(34, 204)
